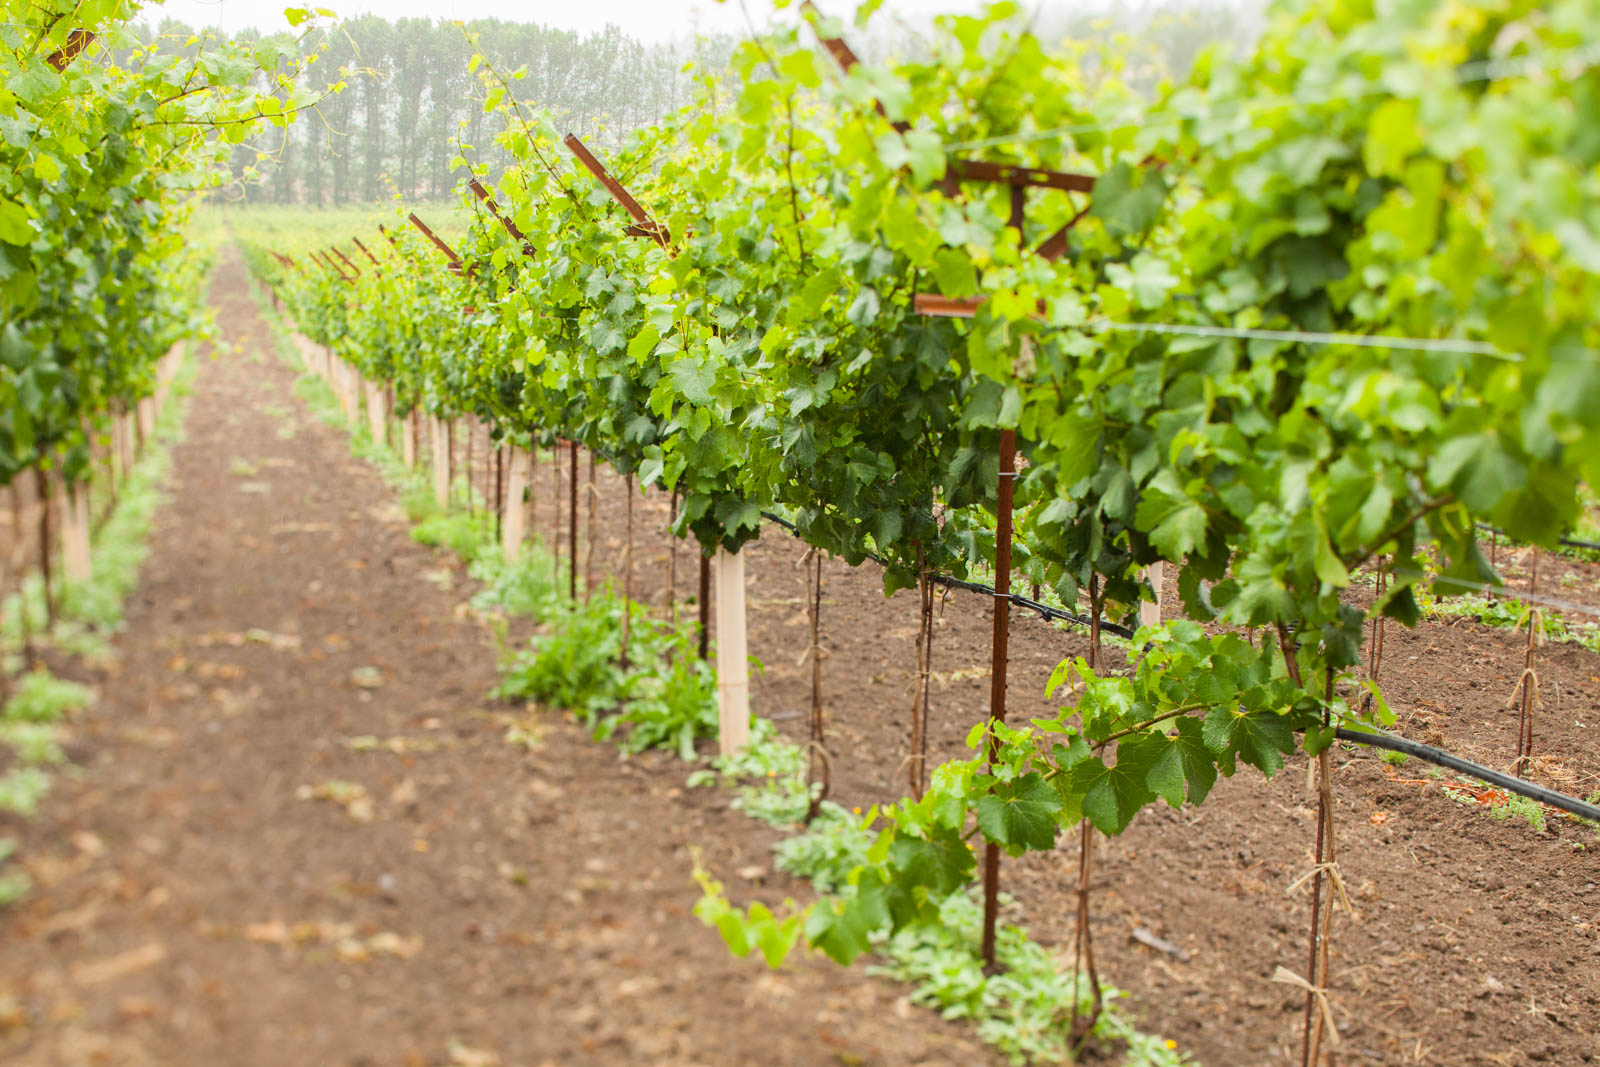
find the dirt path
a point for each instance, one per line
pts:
(239, 878)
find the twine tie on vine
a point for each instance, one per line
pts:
(1529, 677)
(1331, 869)
(1287, 977)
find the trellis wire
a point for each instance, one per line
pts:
(1447, 345)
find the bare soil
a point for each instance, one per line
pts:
(184, 879)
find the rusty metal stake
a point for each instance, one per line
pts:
(589, 534)
(627, 573)
(672, 562)
(555, 512)
(705, 604)
(572, 534)
(499, 489)
(1525, 719)
(997, 668)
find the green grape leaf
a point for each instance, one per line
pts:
(842, 926)
(1110, 796)
(1259, 738)
(1128, 198)
(943, 862)
(1020, 814)
(1179, 767)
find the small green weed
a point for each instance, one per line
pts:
(573, 665)
(14, 884)
(529, 588)
(827, 851)
(1023, 1011)
(21, 789)
(672, 700)
(768, 776)
(1507, 612)
(41, 697)
(465, 535)
(33, 742)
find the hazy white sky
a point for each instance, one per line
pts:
(648, 19)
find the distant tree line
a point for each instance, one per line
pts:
(411, 105)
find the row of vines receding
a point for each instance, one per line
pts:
(1304, 318)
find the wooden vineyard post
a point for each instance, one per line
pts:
(530, 509)
(377, 419)
(511, 528)
(349, 394)
(336, 380)
(108, 466)
(17, 565)
(408, 441)
(393, 425)
(122, 442)
(449, 462)
(917, 764)
(1150, 611)
(147, 419)
(733, 658)
(819, 775)
(441, 464)
(997, 667)
(75, 555)
(166, 369)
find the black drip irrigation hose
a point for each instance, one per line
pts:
(1441, 758)
(1045, 611)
